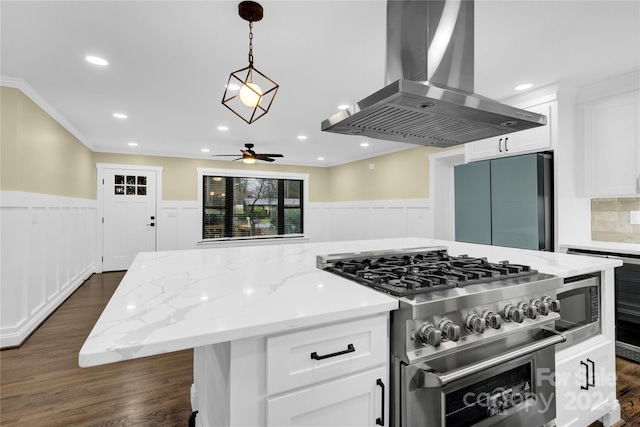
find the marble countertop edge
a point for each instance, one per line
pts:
(89, 357)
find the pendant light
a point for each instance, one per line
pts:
(249, 93)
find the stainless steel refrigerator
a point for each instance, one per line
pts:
(506, 202)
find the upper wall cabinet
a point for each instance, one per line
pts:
(527, 141)
(610, 129)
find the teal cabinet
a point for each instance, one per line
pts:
(506, 202)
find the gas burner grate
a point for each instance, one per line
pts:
(407, 274)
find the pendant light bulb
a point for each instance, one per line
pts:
(250, 94)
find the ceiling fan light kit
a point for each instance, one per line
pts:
(249, 93)
(249, 156)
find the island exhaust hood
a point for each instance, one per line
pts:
(429, 97)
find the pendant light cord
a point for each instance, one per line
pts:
(250, 42)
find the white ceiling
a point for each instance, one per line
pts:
(170, 60)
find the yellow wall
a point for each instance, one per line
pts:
(180, 175)
(38, 154)
(400, 175)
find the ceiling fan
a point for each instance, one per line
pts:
(249, 156)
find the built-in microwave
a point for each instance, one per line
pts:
(579, 308)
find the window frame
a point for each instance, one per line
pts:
(241, 173)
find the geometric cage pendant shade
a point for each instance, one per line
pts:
(249, 93)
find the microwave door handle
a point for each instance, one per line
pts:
(428, 378)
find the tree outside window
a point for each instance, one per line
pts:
(251, 207)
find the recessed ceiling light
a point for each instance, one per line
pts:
(95, 60)
(120, 115)
(133, 144)
(302, 137)
(343, 107)
(205, 150)
(523, 86)
(223, 128)
(364, 144)
(320, 158)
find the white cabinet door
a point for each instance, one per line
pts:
(585, 385)
(527, 141)
(356, 400)
(612, 145)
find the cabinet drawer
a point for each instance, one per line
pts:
(313, 355)
(357, 400)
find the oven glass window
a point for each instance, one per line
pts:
(573, 313)
(488, 397)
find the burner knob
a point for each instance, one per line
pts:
(542, 307)
(529, 310)
(513, 314)
(554, 304)
(429, 335)
(475, 323)
(450, 331)
(492, 320)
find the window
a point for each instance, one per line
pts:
(251, 206)
(130, 189)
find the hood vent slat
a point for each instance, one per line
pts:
(432, 128)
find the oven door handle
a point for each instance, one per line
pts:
(428, 378)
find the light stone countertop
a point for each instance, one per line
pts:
(613, 247)
(170, 301)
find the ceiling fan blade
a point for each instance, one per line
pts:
(239, 158)
(266, 159)
(271, 155)
(223, 155)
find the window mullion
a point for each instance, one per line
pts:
(228, 207)
(281, 207)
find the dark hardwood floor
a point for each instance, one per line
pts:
(42, 385)
(628, 392)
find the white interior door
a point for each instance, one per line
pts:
(129, 219)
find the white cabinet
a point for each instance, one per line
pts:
(586, 383)
(330, 375)
(611, 133)
(356, 400)
(540, 138)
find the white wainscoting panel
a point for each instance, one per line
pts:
(48, 248)
(177, 225)
(377, 219)
(324, 222)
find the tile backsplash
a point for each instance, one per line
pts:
(610, 220)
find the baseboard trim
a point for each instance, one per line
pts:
(17, 338)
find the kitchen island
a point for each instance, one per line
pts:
(246, 310)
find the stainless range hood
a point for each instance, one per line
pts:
(429, 97)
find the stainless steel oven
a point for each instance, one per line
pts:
(472, 342)
(580, 302)
(502, 383)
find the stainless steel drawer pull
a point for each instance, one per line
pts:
(350, 349)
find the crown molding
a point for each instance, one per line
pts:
(28, 90)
